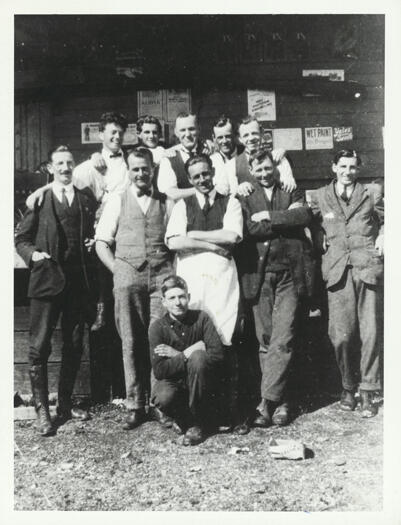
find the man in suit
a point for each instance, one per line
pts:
(186, 354)
(53, 240)
(276, 270)
(351, 217)
(135, 222)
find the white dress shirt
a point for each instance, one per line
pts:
(167, 179)
(57, 188)
(219, 161)
(108, 223)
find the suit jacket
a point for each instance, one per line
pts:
(39, 232)
(350, 231)
(288, 225)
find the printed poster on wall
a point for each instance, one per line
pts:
(343, 133)
(130, 135)
(150, 103)
(335, 75)
(319, 138)
(288, 138)
(262, 104)
(177, 101)
(90, 133)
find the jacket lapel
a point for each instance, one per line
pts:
(359, 195)
(332, 199)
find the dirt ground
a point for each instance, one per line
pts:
(98, 466)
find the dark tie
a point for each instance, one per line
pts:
(64, 200)
(206, 206)
(114, 155)
(145, 192)
(344, 196)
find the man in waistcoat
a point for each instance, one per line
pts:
(351, 216)
(53, 240)
(172, 179)
(203, 230)
(276, 270)
(135, 222)
(237, 171)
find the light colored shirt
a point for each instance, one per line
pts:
(232, 220)
(283, 167)
(219, 161)
(269, 192)
(340, 189)
(167, 179)
(114, 180)
(108, 223)
(57, 188)
(158, 153)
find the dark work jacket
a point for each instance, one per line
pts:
(286, 225)
(39, 231)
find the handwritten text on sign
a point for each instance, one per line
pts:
(262, 104)
(319, 138)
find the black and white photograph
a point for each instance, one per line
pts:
(198, 262)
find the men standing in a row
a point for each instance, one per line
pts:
(351, 217)
(186, 354)
(136, 223)
(53, 240)
(276, 269)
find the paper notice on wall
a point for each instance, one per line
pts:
(319, 138)
(150, 103)
(288, 138)
(177, 102)
(342, 134)
(336, 75)
(262, 104)
(90, 133)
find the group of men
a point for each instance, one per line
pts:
(193, 235)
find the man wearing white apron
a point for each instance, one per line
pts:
(203, 229)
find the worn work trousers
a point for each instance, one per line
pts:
(137, 302)
(275, 320)
(355, 318)
(73, 303)
(194, 391)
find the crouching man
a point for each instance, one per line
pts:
(186, 354)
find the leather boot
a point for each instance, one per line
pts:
(368, 409)
(68, 374)
(100, 321)
(39, 390)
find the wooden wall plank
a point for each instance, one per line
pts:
(24, 137)
(17, 137)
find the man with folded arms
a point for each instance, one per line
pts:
(186, 353)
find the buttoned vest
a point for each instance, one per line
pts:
(68, 226)
(140, 237)
(212, 220)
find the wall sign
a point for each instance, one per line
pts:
(288, 138)
(262, 104)
(150, 103)
(177, 102)
(319, 138)
(342, 134)
(336, 75)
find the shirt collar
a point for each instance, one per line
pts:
(201, 198)
(340, 188)
(57, 187)
(233, 155)
(106, 153)
(187, 320)
(187, 152)
(135, 191)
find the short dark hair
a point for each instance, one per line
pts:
(222, 121)
(141, 152)
(173, 281)
(349, 153)
(185, 114)
(247, 120)
(200, 157)
(148, 119)
(112, 117)
(260, 156)
(59, 149)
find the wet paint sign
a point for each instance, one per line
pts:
(319, 138)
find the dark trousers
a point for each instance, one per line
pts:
(193, 392)
(355, 319)
(73, 304)
(275, 321)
